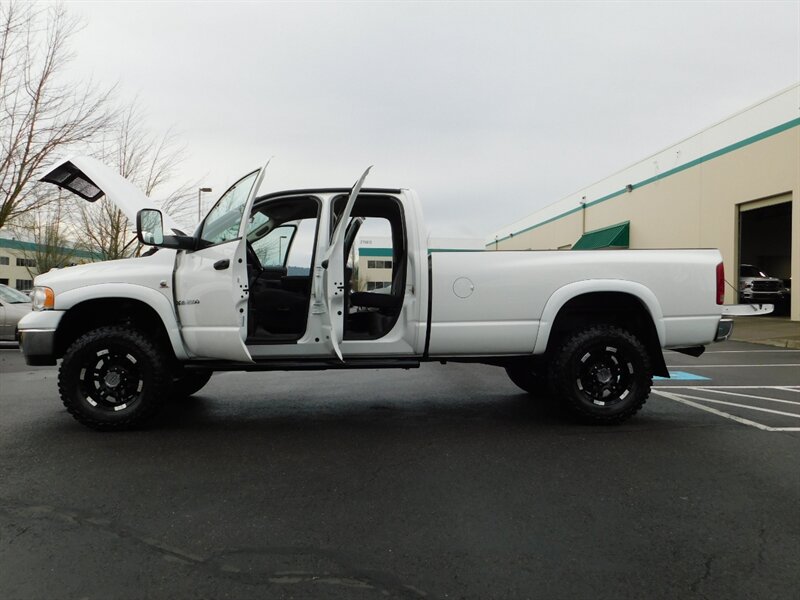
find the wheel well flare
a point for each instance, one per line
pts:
(91, 314)
(614, 308)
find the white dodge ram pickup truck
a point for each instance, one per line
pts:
(268, 283)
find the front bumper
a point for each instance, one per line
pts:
(37, 336)
(38, 346)
(724, 330)
(750, 296)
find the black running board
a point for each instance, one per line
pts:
(308, 365)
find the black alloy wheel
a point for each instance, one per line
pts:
(605, 374)
(113, 378)
(602, 374)
(110, 380)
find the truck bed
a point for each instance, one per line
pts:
(506, 302)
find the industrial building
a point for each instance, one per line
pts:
(733, 186)
(373, 258)
(18, 260)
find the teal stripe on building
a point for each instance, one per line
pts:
(32, 247)
(362, 251)
(388, 251)
(693, 163)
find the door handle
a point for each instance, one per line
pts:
(223, 264)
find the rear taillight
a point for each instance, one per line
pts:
(720, 283)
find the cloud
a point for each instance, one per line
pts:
(489, 111)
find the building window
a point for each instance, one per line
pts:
(23, 285)
(3, 260)
(26, 262)
(379, 264)
(4, 281)
(377, 285)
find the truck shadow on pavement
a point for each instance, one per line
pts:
(495, 411)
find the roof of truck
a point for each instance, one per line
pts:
(331, 190)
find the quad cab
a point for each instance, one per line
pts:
(268, 282)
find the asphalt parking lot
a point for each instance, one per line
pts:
(441, 482)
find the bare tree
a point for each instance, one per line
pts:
(146, 160)
(104, 230)
(40, 113)
(48, 232)
(149, 161)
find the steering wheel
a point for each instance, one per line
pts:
(252, 258)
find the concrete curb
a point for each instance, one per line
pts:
(768, 331)
(792, 344)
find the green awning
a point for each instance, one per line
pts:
(613, 236)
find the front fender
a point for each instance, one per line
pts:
(155, 300)
(572, 290)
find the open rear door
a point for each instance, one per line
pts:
(334, 270)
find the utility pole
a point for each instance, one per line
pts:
(583, 215)
(199, 202)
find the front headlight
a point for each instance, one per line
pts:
(43, 298)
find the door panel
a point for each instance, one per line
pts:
(212, 302)
(334, 271)
(211, 285)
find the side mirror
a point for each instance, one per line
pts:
(150, 231)
(150, 227)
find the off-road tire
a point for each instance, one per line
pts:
(584, 359)
(190, 381)
(112, 367)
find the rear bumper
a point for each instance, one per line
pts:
(724, 329)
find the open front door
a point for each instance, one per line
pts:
(211, 284)
(334, 270)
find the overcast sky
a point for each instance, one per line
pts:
(489, 111)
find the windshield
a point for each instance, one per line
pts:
(751, 271)
(223, 221)
(12, 296)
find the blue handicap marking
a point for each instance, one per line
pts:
(682, 376)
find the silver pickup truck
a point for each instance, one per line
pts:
(587, 327)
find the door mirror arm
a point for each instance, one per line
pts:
(179, 242)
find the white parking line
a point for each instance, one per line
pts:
(729, 387)
(796, 403)
(747, 351)
(743, 421)
(683, 400)
(747, 406)
(731, 366)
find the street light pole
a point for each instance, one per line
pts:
(199, 205)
